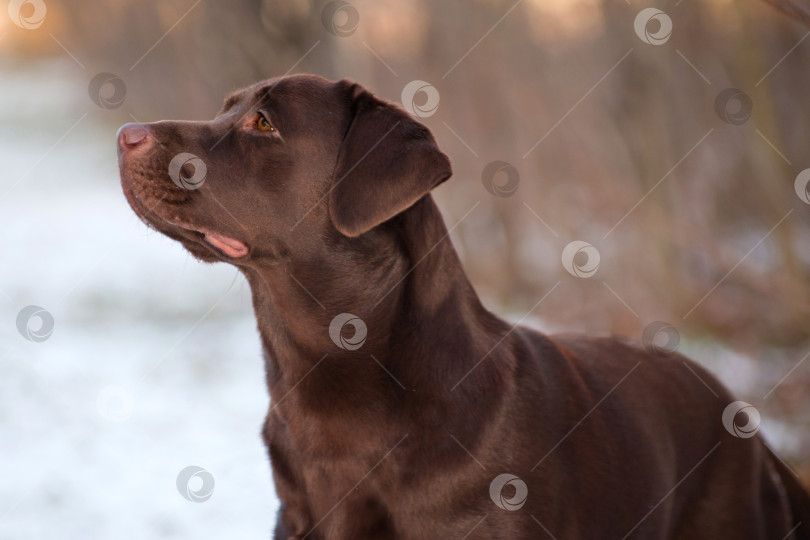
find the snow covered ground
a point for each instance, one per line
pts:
(154, 363)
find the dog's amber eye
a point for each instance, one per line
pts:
(263, 125)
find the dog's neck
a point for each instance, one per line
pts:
(416, 282)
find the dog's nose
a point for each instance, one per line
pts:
(131, 135)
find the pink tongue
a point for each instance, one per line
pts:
(230, 247)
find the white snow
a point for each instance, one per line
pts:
(154, 363)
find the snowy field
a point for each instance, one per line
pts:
(154, 364)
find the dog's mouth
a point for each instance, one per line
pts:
(231, 247)
(149, 209)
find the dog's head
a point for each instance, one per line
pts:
(285, 164)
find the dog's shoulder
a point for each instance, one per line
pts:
(610, 356)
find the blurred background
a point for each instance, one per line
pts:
(670, 144)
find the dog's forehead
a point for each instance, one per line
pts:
(246, 96)
(280, 88)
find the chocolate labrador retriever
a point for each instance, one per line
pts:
(401, 408)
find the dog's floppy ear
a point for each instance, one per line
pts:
(387, 162)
